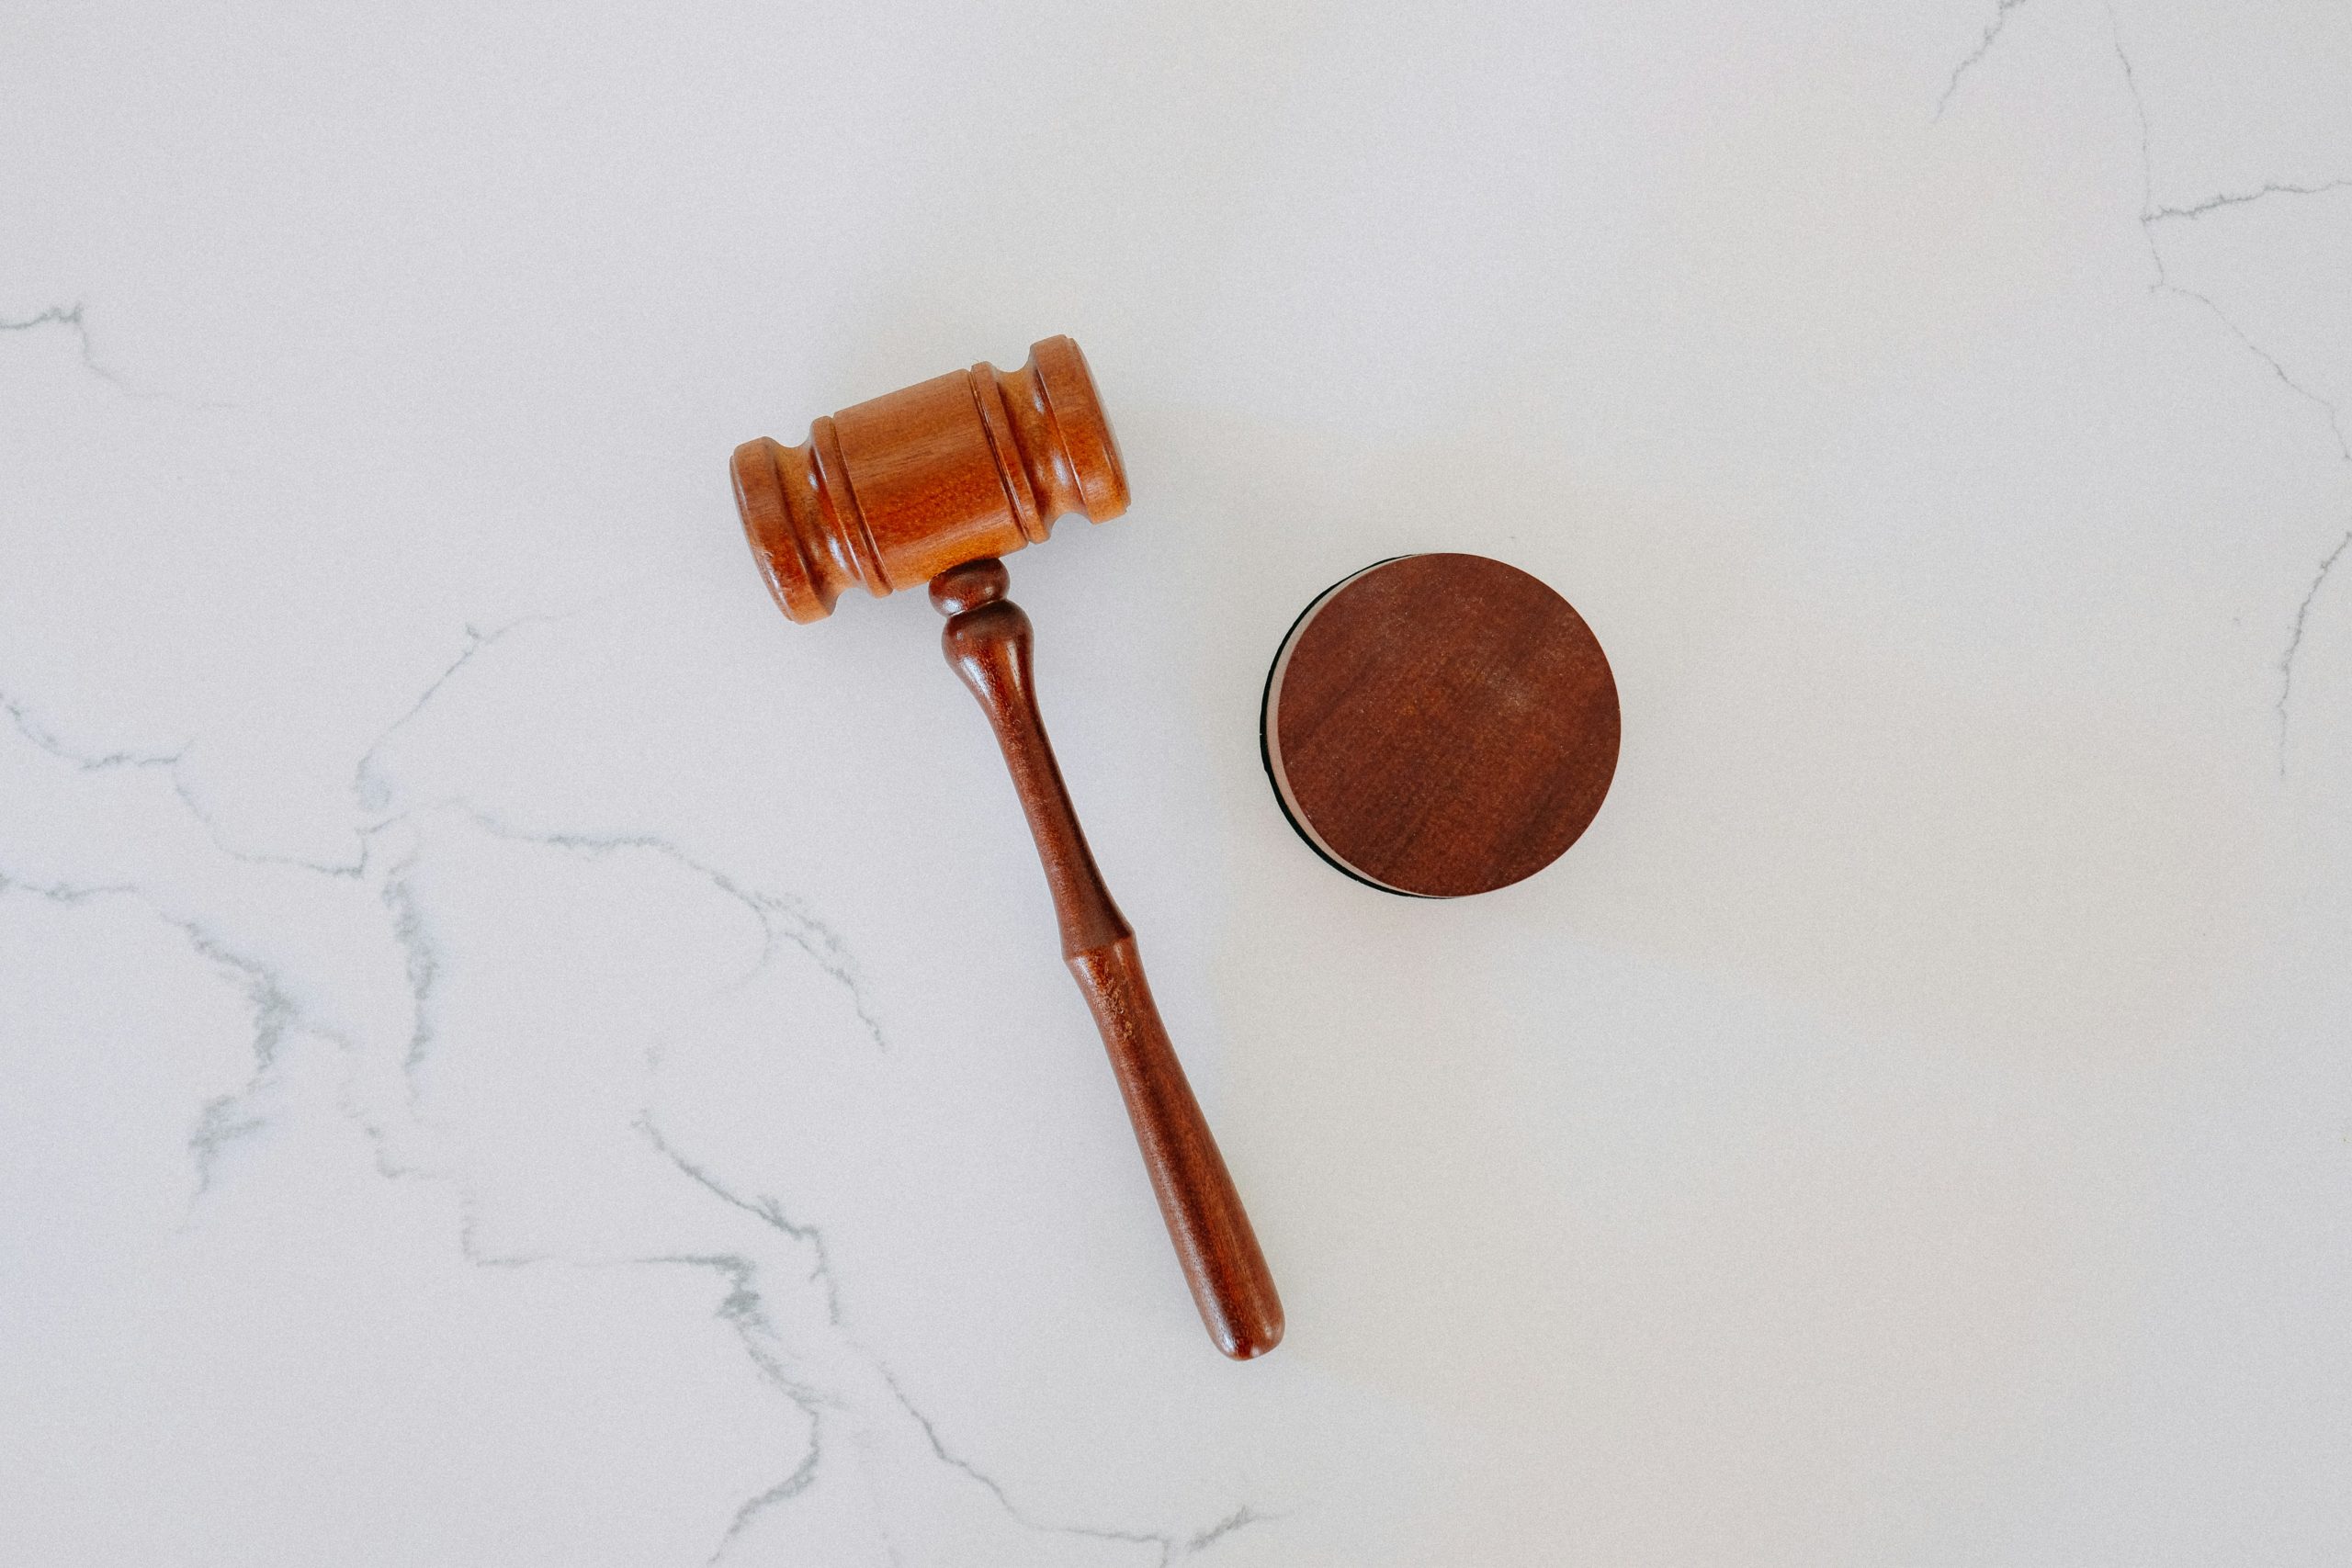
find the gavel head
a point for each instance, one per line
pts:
(892, 492)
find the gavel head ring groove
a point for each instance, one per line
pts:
(892, 493)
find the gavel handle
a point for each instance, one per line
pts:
(987, 640)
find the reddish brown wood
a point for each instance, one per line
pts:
(890, 493)
(931, 484)
(1440, 725)
(986, 639)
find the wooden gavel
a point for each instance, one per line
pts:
(932, 484)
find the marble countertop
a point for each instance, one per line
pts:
(515, 1054)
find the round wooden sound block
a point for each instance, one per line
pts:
(1440, 724)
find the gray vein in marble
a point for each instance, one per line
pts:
(70, 318)
(2295, 640)
(225, 1118)
(32, 730)
(1240, 1518)
(40, 735)
(948, 1457)
(470, 1245)
(1172, 1545)
(66, 892)
(765, 1209)
(379, 1139)
(2151, 214)
(744, 1310)
(749, 1317)
(2327, 408)
(273, 1011)
(788, 918)
(2149, 217)
(368, 785)
(352, 870)
(784, 1490)
(2001, 10)
(2239, 198)
(424, 961)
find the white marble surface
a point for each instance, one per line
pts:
(514, 1054)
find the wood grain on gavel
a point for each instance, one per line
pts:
(931, 484)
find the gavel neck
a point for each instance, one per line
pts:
(986, 639)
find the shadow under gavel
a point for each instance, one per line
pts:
(931, 484)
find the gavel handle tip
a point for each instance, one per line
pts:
(1215, 1242)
